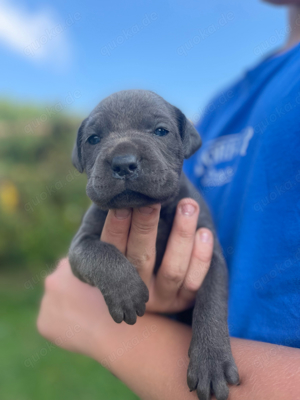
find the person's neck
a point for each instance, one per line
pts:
(294, 23)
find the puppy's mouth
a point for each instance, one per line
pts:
(125, 193)
(131, 198)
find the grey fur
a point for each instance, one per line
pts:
(125, 122)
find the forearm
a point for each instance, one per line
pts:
(151, 358)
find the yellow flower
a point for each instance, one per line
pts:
(9, 197)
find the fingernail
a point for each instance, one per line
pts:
(188, 209)
(146, 210)
(205, 237)
(122, 213)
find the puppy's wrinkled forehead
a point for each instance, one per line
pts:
(131, 110)
(141, 115)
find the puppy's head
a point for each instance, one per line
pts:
(132, 147)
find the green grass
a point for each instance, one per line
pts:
(31, 368)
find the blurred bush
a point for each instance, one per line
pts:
(42, 196)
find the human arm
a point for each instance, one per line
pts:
(151, 356)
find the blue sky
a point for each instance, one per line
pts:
(77, 53)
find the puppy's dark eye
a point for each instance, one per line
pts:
(94, 139)
(161, 132)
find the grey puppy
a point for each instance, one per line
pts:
(132, 147)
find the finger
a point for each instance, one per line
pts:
(141, 249)
(116, 228)
(199, 264)
(179, 249)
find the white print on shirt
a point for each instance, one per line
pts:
(218, 151)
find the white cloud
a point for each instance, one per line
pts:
(39, 36)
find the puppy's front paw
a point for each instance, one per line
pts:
(209, 372)
(127, 299)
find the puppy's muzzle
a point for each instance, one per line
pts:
(125, 166)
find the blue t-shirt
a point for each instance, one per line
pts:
(248, 170)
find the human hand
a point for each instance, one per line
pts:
(73, 312)
(187, 257)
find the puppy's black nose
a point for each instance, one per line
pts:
(125, 166)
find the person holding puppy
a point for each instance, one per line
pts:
(248, 170)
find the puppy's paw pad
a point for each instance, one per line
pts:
(117, 315)
(128, 302)
(130, 315)
(210, 376)
(219, 386)
(231, 373)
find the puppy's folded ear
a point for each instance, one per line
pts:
(77, 154)
(190, 137)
